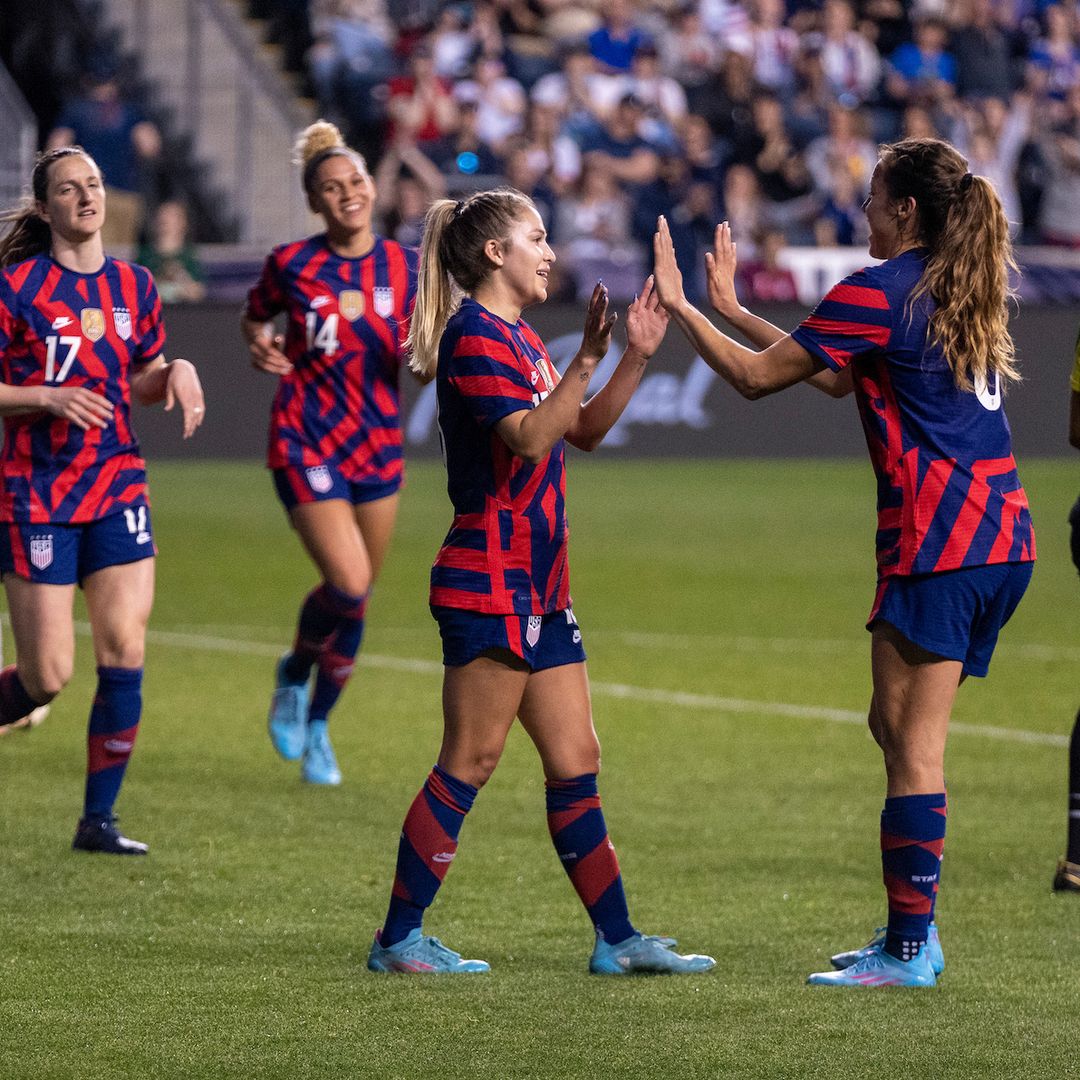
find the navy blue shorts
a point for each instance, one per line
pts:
(318, 483)
(542, 641)
(63, 554)
(957, 614)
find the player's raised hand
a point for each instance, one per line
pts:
(646, 321)
(183, 388)
(598, 325)
(666, 272)
(266, 353)
(720, 266)
(80, 406)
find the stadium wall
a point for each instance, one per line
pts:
(681, 409)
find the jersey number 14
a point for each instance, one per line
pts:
(324, 337)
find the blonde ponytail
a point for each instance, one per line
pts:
(434, 292)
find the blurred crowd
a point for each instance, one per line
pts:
(765, 112)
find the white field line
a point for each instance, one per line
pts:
(676, 698)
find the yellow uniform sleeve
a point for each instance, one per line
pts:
(1075, 383)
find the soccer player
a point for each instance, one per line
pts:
(80, 336)
(500, 588)
(1067, 876)
(923, 341)
(335, 434)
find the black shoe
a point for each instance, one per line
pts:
(101, 834)
(1067, 876)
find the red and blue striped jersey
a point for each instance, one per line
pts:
(948, 492)
(62, 328)
(347, 324)
(505, 553)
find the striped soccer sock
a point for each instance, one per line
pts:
(427, 847)
(578, 831)
(335, 664)
(324, 610)
(114, 723)
(912, 837)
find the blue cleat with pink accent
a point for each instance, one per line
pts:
(879, 969)
(420, 955)
(933, 951)
(645, 954)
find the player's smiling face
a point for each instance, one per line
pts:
(527, 259)
(74, 205)
(344, 195)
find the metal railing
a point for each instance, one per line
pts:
(18, 140)
(231, 103)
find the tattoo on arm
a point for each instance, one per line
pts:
(584, 376)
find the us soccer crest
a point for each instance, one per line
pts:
(122, 322)
(93, 323)
(41, 551)
(351, 304)
(384, 301)
(532, 630)
(318, 476)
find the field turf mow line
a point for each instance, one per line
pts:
(679, 699)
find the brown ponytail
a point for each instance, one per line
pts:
(452, 253)
(962, 222)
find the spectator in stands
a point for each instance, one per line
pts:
(770, 45)
(664, 99)
(122, 140)
(554, 157)
(745, 208)
(922, 70)
(917, 122)
(844, 149)
(581, 94)
(452, 46)
(688, 53)
(169, 255)
(851, 63)
(1059, 221)
(463, 155)
(592, 231)
(841, 221)
(704, 156)
(983, 54)
(500, 102)
(406, 166)
(422, 103)
(808, 111)
(615, 41)
(763, 279)
(619, 148)
(768, 150)
(1057, 54)
(726, 100)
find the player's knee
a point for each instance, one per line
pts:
(121, 653)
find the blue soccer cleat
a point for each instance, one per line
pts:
(933, 951)
(100, 833)
(320, 766)
(420, 955)
(645, 954)
(288, 714)
(878, 968)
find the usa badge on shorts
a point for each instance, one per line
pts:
(532, 630)
(93, 323)
(318, 476)
(384, 301)
(122, 322)
(351, 304)
(41, 551)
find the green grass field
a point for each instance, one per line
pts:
(730, 668)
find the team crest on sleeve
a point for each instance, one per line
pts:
(351, 304)
(41, 551)
(319, 478)
(122, 322)
(93, 323)
(384, 301)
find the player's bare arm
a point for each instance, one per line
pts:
(174, 382)
(646, 324)
(531, 433)
(753, 374)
